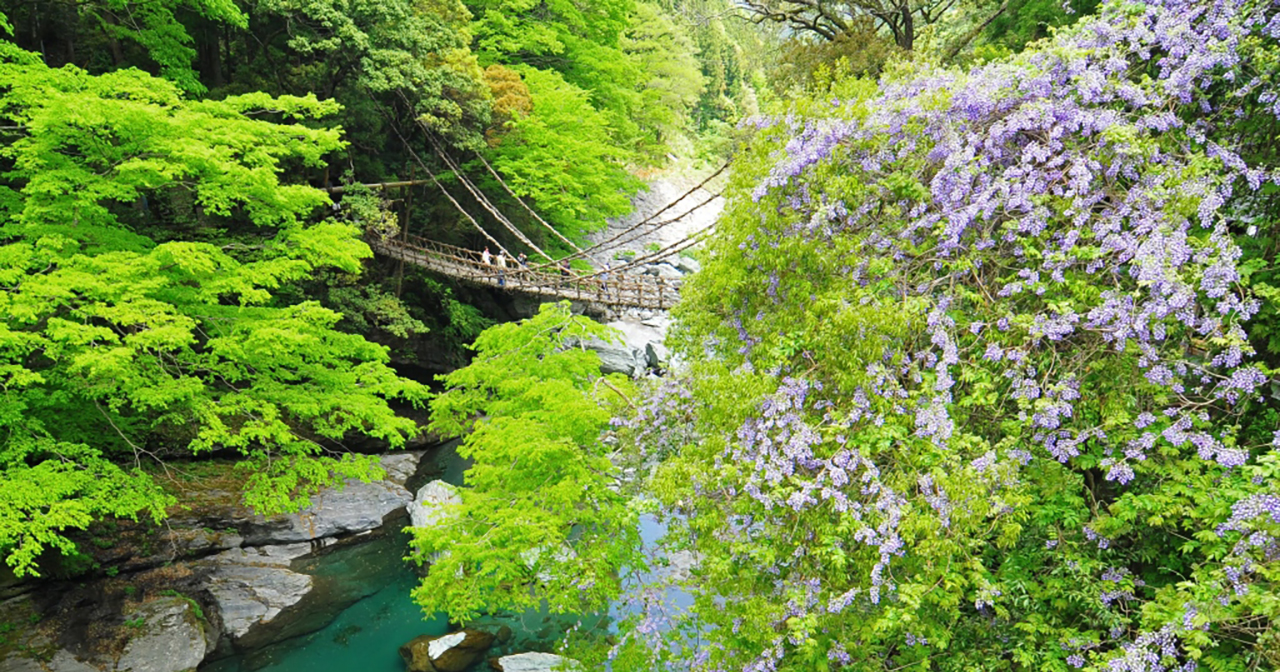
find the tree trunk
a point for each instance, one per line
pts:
(908, 38)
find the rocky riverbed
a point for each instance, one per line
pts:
(644, 331)
(214, 581)
(224, 590)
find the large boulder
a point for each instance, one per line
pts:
(534, 662)
(173, 638)
(656, 355)
(334, 512)
(687, 264)
(251, 586)
(619, 358)
(666, 271)
(428, 505)
(454, 652)
(357, 507)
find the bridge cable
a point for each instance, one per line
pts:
(480, 197)
(519, 200)
(404, 141)
(615, 239)
(668, 251)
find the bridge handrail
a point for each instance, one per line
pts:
(467, 263)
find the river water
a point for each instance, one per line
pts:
(375, 580)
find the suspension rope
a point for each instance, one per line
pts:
(668, 251)
(480, 197)
(626, 235)
(404, 141)
(615, 240)
(519, 200)
(623, 238)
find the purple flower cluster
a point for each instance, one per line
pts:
(664, 420)
(1048, 221)
(1075, 131)
(792, 466)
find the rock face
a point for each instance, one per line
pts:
(357, 507)
(454, 652)
(427, 507)
(533, 662)
(166, 634)
(400, 467)
(62, 661)
(641, 348)
(251, 575)
(174, 638)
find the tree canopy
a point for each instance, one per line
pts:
(126, 337)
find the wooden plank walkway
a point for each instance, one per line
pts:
(631, 291)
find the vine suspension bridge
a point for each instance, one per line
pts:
(616, 286)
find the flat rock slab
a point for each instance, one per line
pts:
(358, 507)
(533, 662)
(355, 508)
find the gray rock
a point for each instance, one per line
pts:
(666, 271)
(534, 662)
(173, 639)
(400, 467)
(656, 355)
(195, 542)
(687, 265)
(274, 555)
(426, 507)
(62, 661)
(249, 595)
(636, 335)
(641, 347)
(16, 664)
(680, 565)
(358, 507)
(615, 358)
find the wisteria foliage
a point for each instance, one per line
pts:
(970, 359)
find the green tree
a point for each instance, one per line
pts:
(562, 156)
(127, 335)
(153, 35)
(672, 81)
(400, 51)
(542, 514)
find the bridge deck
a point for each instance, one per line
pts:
(617, 290)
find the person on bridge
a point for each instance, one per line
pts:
(502, 269)
(485, 257)
(524, 260)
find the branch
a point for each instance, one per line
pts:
(964, 41)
